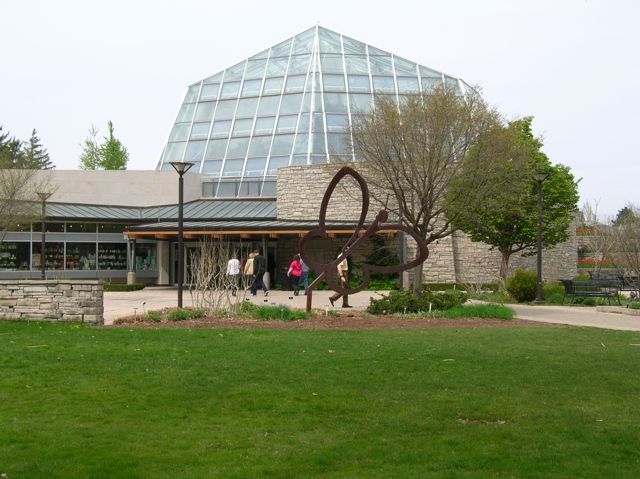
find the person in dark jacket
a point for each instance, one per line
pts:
(259, 269)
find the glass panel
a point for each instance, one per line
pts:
(295, 84)
(299, 64)
(234, 73)
(405, 67)
(282, 144)
(204, 111)
(357, 64)
(260, 146)
(228, 189)
(428, 84)
(335, 102)
(381, 65)
(232, 168)
(359, 83)
(255, 166)
(192, 93)
(54, 255)
(264, 126)
(303, 124)
(145, 257)
(179, 132)
(287, 124)
(200, 130)
(303, 43)
(329, 41)
(186, 113)
(318, 122)
(112, 256)
(242, 127)
(317, 144)
(230, 90)
(302, 144)
(299, 160)
(290, 104)
(268, 105)
(209, 188)
(226, 109)
(247, 108)
(273, 86)
(250, 188)
(318, 159)
(282, 49)
(333, 82)
(81, 227)
(277, 66)
(383, 85)
(306, 102)
(429, 73)
(209, 92)
(80, 256)
(221, 129)
(331, 63)
(353, 46)
(111, 227)
(338, 143)
(217, 78)
(269, 188)
(255, 69)
(174, 151)
(452, 83)
(14, 256)
(212, 167)
(216, 149)
(251, 87)
(195, 150)
(337, 122)
(276, 162)
(237, 148)
(408, 85)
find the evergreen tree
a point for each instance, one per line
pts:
(90, 158)
(11, 155)
(35, 156)
(114, 154)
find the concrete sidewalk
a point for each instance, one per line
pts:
(120, 304)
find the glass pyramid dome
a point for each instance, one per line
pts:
(291, 104)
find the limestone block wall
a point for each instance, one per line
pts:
(52, 300)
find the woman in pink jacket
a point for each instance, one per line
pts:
(295, 271)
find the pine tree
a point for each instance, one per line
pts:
(11, 155)
(114, 154)
(35, 156)
(91, 158)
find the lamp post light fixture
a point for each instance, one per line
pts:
(539, 177)
(44, 196)
(181, 168)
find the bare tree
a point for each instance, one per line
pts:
(600, 238)
(211, 288)
(415, 150)
(627, 246)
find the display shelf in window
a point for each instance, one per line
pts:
(14, 256)
(145, 257)
(112, 256)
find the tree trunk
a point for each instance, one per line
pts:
(417, 279)
(504, 268)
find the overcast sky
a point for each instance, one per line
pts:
(572, 64)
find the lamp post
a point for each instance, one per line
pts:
(44, 196)
(181, 168)
(539, 177)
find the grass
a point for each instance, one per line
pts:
(554, 403)
(495, 311)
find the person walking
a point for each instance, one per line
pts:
(248, 271)
(295, 271)
(233, 273)
(343, 276)
(304, 276)
(259, 269)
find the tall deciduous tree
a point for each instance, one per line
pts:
(35, 156)
(507, 220)
(626, 234)
(90, 158)
(114, 154)
(415, 150)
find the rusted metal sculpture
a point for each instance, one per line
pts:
(359, 235)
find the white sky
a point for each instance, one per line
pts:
(572, 64)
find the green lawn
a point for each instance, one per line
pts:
(83, 402)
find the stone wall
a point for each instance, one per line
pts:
(52, 300)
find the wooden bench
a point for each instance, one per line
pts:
(591, 288)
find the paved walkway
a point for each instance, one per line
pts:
(118, 304)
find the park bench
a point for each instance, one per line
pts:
(591, 288)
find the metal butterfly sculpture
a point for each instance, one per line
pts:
(360, 234)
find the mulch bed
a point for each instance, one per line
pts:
(344, 321)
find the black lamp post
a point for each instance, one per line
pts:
(43, 197)
(181, 167)
(539, 177)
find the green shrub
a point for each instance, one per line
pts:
(182, 314)
(404, 301)
(283, 313)
(492, 311)
(123, 286)
(153, 316)
(554, 298)
(522, 286)
(634, 305)
(589, 301)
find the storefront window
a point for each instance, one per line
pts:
(14, 256)
(54, 256)
(111, 228)
(81, 256)
(81, 227)
(145, 257)
(51, 227)
(112, 256)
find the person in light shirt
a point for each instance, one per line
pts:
(233, 273)
(343, 276)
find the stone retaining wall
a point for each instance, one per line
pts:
(52, 300)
